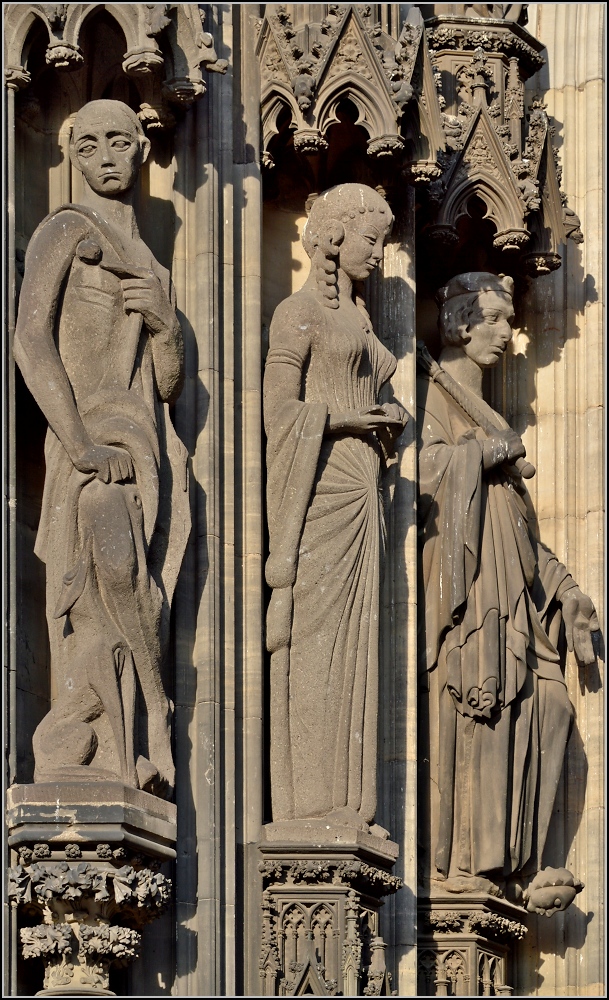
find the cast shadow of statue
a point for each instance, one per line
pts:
(538, 343)
(192, 411)
(566, 931)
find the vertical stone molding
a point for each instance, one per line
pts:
(86, 878)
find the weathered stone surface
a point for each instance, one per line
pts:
(497, 712)
(100, 348)
(85, 812)
(320, 916)
(327, 436)
(494, 598)
(85, 862)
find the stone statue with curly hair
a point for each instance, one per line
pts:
(327, 437)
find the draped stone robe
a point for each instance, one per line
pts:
(79, 534)
(327, 537)
(491, 626)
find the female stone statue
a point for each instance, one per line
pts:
(494, 601)
(100, 347)
(327, 435)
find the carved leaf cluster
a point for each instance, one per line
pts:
(142, 889)
(337, 872)
(46, 940)
(119, 942)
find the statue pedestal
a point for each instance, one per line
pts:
(322, 893)
(85, 876)
(464, 943)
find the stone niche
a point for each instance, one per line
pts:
(480, 126)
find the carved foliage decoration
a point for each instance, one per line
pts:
(166, 47)
(80, 903)
(496, 149)
(464, 945)
(309, 69)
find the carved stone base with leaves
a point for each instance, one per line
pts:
(91, 912)
(465, 941)
(86, 878)
(320, 922)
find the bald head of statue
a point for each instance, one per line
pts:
(108, 146)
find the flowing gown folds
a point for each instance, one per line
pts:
(326, 528)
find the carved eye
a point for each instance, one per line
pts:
(87, 149)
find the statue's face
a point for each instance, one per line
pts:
(362, 248)
(489, 331)
(108, 152)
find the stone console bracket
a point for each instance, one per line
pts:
(465, 944)
(320, 912)
(86, 861)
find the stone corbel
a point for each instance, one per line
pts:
(85, 877)
(320, 914)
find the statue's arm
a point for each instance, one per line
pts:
(296, 323)
(578, 611)
(289, 348)
(48, 260)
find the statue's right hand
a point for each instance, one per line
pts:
(503, 446)
(362, 421)
(110, 464)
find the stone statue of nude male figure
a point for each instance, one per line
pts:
(100, 348)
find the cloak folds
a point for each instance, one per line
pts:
(491, 626)
(122, 408)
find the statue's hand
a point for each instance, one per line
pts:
(146, 295)
(581, 620)
(504, 446)
(111, 465)
(396, 412)
(364, 421)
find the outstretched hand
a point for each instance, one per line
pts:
(581, 620)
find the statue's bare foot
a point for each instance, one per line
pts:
(551, 890)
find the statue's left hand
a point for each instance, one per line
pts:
(146, 295)
(397, 413)
(581, 620)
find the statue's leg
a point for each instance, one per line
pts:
(111, 676)
(113, 513)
